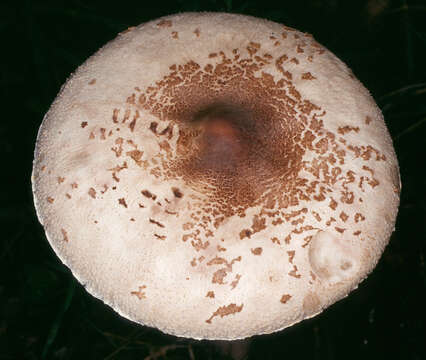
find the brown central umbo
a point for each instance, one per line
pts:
(224, 141)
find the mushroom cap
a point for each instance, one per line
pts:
(216, 176)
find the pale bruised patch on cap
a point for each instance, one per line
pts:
(332, 259)
(311, 304)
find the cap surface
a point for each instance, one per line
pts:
(216, 176)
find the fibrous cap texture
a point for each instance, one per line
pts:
(216, 176)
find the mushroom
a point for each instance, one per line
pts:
(216, 176)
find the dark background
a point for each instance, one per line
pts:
(45, 313)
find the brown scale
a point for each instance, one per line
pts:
(239, 135)
(231, 148)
